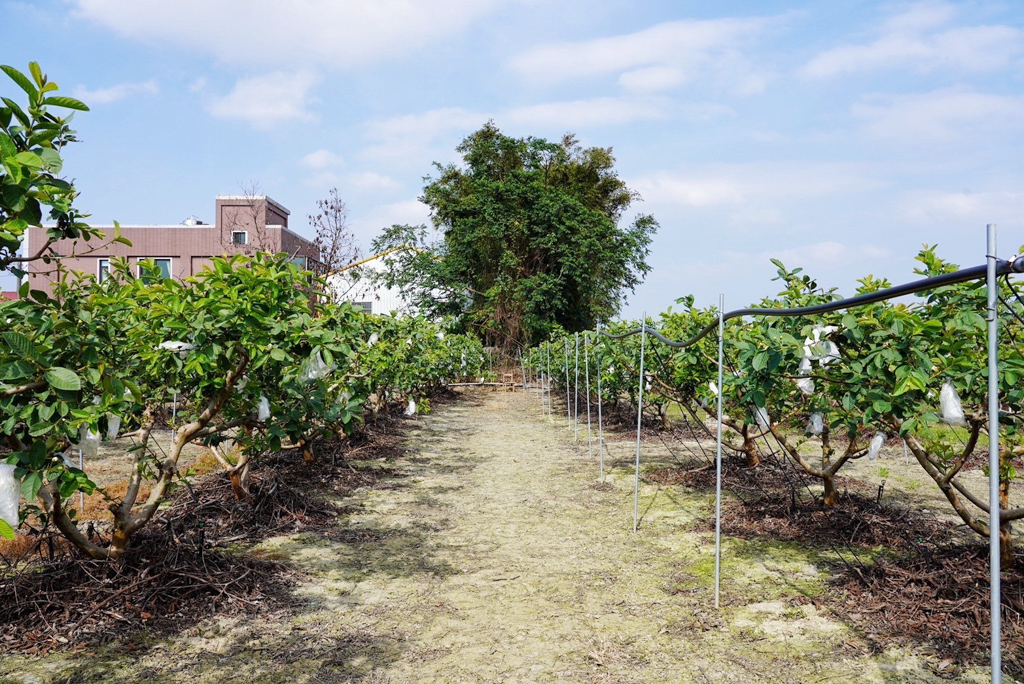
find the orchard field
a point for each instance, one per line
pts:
(235, 476)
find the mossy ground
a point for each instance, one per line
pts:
(497, 555)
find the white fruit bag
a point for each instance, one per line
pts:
(263, 409)
(876, 445)
(952, 410)
(816, 424)
(10, 495)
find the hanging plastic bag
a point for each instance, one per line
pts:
(410, 410)
(820, 350)
(183, 348)
(762, 418)
(876, 445)
(952, 410)
(805, 385)
(373, 340)
(440, 336)
(10, 495)
(713, 387)
(816, 425)
(831, 353)
(113, 426)
(88, 441)
(315, 368)
(263, 409)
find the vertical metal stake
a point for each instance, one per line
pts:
(547, 350)
(576, 395)
(522, 367)
(639, 417)
(586, 363)
(718, 456)
(600, 424)
(993, 457)
(174, 418)
(568, 404)
(81, 494)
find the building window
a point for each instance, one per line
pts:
(163, 267)
(300, 262)
(239, 237)
(102, 270)
(367, 307)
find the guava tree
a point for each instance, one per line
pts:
(32, 190)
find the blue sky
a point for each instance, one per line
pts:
(834, 136)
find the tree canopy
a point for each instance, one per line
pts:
(530, 239)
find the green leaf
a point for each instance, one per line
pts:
(66, 102)
(30, 159)
(30, 486)
(37, 73)
(20, 344)
(7, 148)
(63, 379)
(6, 531)
(22, 80)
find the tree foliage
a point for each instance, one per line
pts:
(31, 187)
(530, 241)
(823, 387)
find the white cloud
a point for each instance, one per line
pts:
(689, 191)
(657, 58)
(938, 115)
(407, 212)
(321, 159)
(267, 100)
(332, 33)
(752, 189)
(417, 139)
(603, 111)
(966, 208)
(370, 180)
(912, 40)
(826, 253)
(102, 96)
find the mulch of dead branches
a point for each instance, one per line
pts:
(176, 570)
(926, 588)
(856, 521)
(938, 597)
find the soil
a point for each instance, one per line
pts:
(494, 551)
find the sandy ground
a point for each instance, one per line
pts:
(497, 555)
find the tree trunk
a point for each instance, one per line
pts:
(750, 448)
(831, 497)
(666, 424)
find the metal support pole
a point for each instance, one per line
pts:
(576, 395)
(993, 457)
(568, 404)
(522, 367)
(174, 418)
(81, 494)
(718, 455)
(600, 422)
(586, 363)
(547, 350)
(639, 418)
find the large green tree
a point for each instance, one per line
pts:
(530, 239)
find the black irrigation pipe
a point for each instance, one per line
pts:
(1003, 267)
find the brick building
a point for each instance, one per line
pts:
(243, 224)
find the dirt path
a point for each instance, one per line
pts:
(494, 555)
